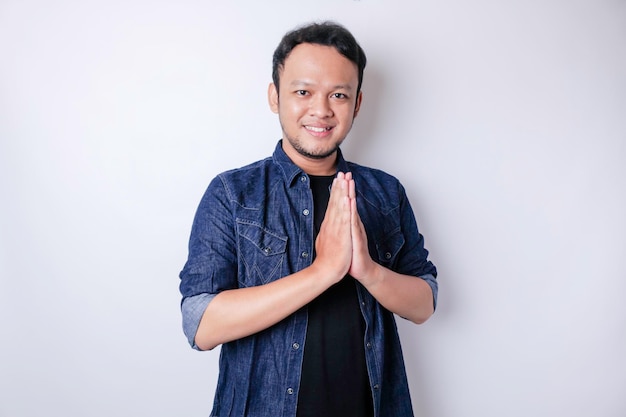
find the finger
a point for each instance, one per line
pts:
(338, 209)
(351, 189)
(354, 218)
(339, 187)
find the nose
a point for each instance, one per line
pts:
(320, 107)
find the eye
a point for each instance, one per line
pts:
(339, 95)
(301, 92)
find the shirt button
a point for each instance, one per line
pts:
(388, 255)
(305, 254)
(306, 212)
(303, 178)
(376, 386)
(369, 345)
(290, 391)
(296, 346)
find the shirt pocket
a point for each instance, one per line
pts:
(262, 253)
(388, 247)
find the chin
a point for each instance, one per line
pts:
(317, 153)
(312, 148)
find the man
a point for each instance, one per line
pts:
(297, 263)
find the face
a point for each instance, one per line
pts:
(317, 102)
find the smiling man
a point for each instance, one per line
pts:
(298, 263)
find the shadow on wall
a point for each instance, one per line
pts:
(364, 133)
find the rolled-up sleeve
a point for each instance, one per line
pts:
(211, 266)
(430, 280)
(192, 310)
(414, 259)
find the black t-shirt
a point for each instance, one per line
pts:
(334, 379)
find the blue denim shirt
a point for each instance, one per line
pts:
(254, 225)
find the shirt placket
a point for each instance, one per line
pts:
(301, 193)
(370, 349)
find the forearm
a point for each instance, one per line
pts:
(241, 312)
(407, 296)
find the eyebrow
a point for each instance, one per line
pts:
(303, 83)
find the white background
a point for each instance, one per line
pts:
(504, 120)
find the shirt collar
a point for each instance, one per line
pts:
(291, 171)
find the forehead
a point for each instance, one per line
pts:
(318, 63)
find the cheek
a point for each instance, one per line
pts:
(292, 110)
(346, 115)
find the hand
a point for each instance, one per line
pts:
(362, 266)
(333, 245)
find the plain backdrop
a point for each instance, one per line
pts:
(505, 121)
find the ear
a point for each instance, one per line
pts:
(272, 97)
(357, 106)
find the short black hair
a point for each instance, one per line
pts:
(324, 33)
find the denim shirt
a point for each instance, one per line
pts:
(254, 225)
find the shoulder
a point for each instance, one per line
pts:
(247, 183)
(372, 174)
(246, 172)
(377, 186)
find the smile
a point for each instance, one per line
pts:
(317, 129)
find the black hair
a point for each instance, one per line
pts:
(325, 33)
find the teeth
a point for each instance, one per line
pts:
(318, 129)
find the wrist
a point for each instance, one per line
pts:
(372, 275)
(325, 274)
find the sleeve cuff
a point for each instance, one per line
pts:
(192, 309)
(431, 280)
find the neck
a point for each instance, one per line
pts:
(326, 166)
(313, 166)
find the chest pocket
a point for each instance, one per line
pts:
(388, 248)
(261, 254)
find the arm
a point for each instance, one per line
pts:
(405, 295)
(401, 294)
(237, 313)
(240, 312)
